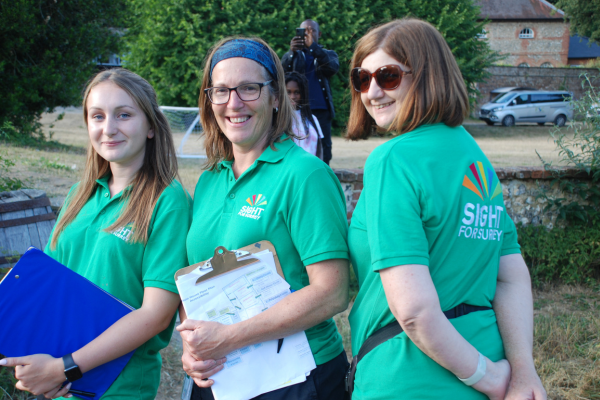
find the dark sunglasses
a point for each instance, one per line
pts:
(387, 77)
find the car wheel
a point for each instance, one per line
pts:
(509, 120)
(490, 123)
(560, 120)
(541, 123)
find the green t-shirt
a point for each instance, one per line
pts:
(430, 197)
(287, 197)
(124, 269)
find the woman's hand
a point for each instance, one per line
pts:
(205, 340)
(513, 305)
(494, 383)
(200, 371)
(525, 384)
(39, 374)
(191, 334)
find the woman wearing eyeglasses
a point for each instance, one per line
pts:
(444, 295)
(259, 185)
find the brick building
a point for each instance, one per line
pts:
(582, 51)
(530, 33)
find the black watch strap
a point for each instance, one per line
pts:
(72, 371)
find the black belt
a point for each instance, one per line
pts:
(393, 329)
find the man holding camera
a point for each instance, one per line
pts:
(307, 57)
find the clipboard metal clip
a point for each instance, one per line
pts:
(238, 254)
(224, 261)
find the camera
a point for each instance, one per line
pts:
(300, 32)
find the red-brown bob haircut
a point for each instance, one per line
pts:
(437, 93)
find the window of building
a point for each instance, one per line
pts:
(547, 65)
(526, 33)
(523, 65)
(483, 34)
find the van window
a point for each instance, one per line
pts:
(503, 98)
(522, 99)
(550, 97)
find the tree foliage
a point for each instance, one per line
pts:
(578, 146)
(47, 48)
(584, 16)
(169, 39)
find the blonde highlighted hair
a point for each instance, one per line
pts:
(218, 147)
(437, 93)
(157, 172)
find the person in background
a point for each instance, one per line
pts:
(306, 125)
(123, 227)
(247, 120)
(434, 250)
(318, 65)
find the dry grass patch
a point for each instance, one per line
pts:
(172, 374)
(567, 342)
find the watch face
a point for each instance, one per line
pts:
(73, 373)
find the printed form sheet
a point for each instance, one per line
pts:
(236, 296)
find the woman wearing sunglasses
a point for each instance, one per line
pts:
(259, 185)
(436, 255)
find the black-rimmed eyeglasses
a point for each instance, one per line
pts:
(246, 92)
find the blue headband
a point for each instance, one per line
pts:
(246, 49)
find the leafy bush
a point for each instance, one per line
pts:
(570, 255)
(169, 39)
(7, 183)
(7, 386)
(579, 146)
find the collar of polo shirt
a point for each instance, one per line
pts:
(270, 155)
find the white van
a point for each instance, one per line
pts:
(528, 106)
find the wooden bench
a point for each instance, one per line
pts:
(26, 219)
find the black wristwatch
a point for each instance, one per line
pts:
(72, 371)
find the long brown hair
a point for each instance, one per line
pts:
(218, 147)
(157, 172)
(437, 93)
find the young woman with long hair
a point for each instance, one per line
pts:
(306, 125)
(435, 253)
(123, 227)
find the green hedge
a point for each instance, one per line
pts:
(568, 255)
(168, 39)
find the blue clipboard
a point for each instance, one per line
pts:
(47, 308)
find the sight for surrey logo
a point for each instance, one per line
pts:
(482, 220)
(254, 210)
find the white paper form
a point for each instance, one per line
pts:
(236, 296)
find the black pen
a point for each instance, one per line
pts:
(279, 344)
(82, 393)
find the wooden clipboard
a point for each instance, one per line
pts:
(224, 261)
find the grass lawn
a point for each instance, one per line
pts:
(567, 322)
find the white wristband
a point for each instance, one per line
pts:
(476, 377)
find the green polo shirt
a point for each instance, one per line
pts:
(430, 197)
(288, 197)
(124, 269)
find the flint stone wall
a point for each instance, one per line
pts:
(520, 188)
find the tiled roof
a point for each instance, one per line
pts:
(518, 10)
(579, 48)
